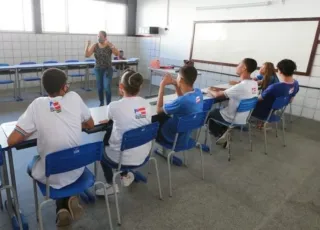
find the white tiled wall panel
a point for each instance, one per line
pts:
(20, 47)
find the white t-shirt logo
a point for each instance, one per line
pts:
(140, 113)
(55, 107)
(291, 90)
(198, 99)
(254, 90)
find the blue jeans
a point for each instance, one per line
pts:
(104, 79)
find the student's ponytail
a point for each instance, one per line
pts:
(132, 82)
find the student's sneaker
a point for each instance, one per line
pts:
(128, 179)
(223, 138)
(76, 210)
(109, 188)
(63, 218)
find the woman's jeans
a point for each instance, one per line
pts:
(104, 79)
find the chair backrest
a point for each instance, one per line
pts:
(4, 64)
(71, 60)
(50, 62)
(90, 60)
(191, 122)
(280, 102)
(28, 63)
(247, 105)
(207, 104)
(139, 136)
(73, 158)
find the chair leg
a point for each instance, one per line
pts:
(291, 113)
(41, 88)
(36, 201)
(276, 129)
(116, 196)
(283, 131)
(107, 202)
(158, 177)
(250, 136)
(201, 158)
(265, 137)
(241, 131)
(1, 204)
(229, 146)
(169, 171)
(185, 160)
(40, 213)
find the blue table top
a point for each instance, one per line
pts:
(41, 65)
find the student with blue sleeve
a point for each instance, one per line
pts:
(288, 87)
(189, 101)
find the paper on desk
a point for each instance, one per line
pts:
(99, 114)
(10, 126)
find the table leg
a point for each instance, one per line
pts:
(12, 171)
(150, 83)
(17, 85)
(6, 182)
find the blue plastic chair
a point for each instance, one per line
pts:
(8, 187)
(75, 75)
(68, 160)
(32, 78)
(8, 80)
(246, 105)
(131, 139)
(186, 124)
(276, 115)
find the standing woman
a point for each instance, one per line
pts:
(102, 51)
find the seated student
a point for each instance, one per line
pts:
(267, 76)
(190, 100)
(121, 56)
(130, 112)
(246, 89)
(288, 87)
(58, 120)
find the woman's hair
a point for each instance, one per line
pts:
(132, 82)
(269, 73)
(103, 33)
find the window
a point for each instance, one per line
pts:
(16, 15)
(83, 16)
(54, 15)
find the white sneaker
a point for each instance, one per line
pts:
(128, 179)
(109, 188)
(222, 139)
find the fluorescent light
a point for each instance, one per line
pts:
(254, 4)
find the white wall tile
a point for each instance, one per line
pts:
(303, 80)
(314, 82)
(6, 37)
(313, 93)
(308, 113)
(318, 106)
(310, 103)
(317, 115)
(8, 53)
(7, 45)
(298, 100)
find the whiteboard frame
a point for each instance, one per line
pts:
(313, 50)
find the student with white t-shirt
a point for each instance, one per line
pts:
(130, 112)
(58, 120)
(246, 89)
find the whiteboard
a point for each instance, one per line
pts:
(227, 43)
